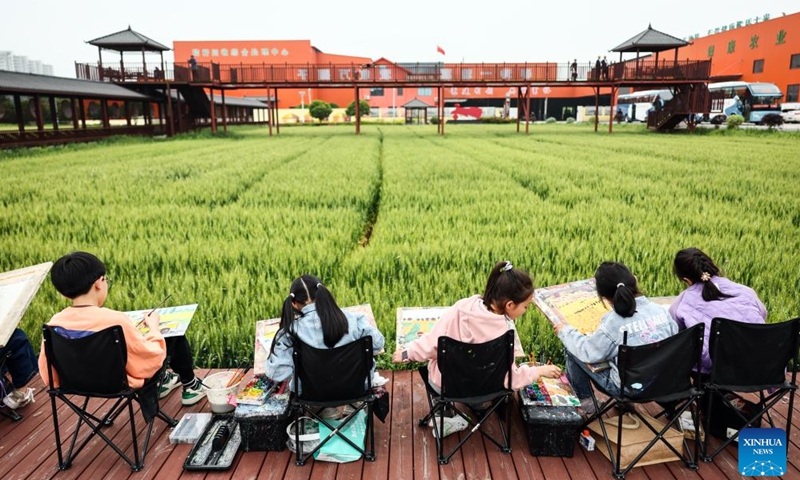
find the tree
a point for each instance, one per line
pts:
(363, 108)
(319, 110)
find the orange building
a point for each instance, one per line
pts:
(753, 50)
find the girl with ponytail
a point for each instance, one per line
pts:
(311, 314)
(644, 321)
(710, 295)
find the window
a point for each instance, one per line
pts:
(424, 92)
(400, 92)
(795, 62)
(758, 66)
(376, 92)
(792, 93)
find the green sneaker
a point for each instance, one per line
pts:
(193, 394)
(171, 382)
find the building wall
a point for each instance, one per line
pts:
(734, 52)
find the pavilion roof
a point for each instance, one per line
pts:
(128, 41)
(650, 40)
(32, 84)
(416, 103)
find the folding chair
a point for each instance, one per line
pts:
(656, 372)
(751, 358)
(5, 389)
(93, 366)
(477, 375)
(332, 377)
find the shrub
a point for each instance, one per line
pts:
(550, 120)
(570, 120)
(319, 110)
(772, 120)
(494, 120)
(734, 121)
(434, 120)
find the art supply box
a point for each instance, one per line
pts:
(552, 431)
(217, 447)
(263, 427)
(190, 428)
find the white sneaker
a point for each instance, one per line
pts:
(451, 425)
(171, 382)
(19, 398)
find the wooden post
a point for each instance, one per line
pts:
(277, 114)
(357, 112)
(224, 114)
(528, 107)
(100, 63)
(611, 111)
(53, 113)
(127, 113)
(213, 114)
(170, 120)
(75, 113)
(269, 112)
(82, 109)
(104, 111)
(20, 116)
(596, 107)
(441, 119)
(37, 105)
(519, 109)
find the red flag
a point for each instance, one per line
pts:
(440, 49)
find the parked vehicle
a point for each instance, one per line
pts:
(750, 100)
(790, 112)
(635, 106)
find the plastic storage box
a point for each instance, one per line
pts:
(551, 431)
(263, 427)
(217, 447)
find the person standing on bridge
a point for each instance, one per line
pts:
(573, 68)
(604, 68)
(193, 66)
(597, 68)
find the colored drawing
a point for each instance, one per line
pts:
(414, 322)
(17, 289)
(267, 329)
(174, 320)
(577, 304)
(474, 112)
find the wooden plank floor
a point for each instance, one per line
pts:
(404, 451)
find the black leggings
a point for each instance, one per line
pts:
(179, 358)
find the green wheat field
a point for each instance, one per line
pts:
(398, 216)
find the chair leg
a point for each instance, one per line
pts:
(12, 414)
(369, 455)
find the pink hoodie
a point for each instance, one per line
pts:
(467, 321)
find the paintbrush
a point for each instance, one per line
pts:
(161, 304)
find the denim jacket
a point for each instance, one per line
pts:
(308, 328)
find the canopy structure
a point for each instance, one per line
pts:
(413, 108)
(128, 41)
(650, 41)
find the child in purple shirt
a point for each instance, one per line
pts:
(709, 295)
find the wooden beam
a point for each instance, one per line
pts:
(75, 113)
(277, 114)
(596, 107)
(37, 106)
(104, 113)
(82, 109)
(224, 114)
(528, 107)
(213, 114)
(127, 113)
(20, 116)
(53, 113)
(357, 112)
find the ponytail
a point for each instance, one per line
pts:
(334, 322)
(616, 282)
(505, 284)
(694, 265)
(308, 288)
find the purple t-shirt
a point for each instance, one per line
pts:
(690, 309)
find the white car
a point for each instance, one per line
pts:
(790, 112)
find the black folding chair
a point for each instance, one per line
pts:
(329, 378)
(751, 358)
(656, 372)
(93, 366)
(7, 388)
(477, 375)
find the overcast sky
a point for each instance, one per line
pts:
(55, 31)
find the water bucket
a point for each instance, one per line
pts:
(217, 391)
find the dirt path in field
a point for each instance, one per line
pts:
(375, 204)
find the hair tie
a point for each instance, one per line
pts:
(291, 295)
(507, 267)
(319, 285)
(620, 285)
(705, 276)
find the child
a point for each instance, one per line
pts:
(21, 365)
(478, 319)
(81, 277)
(632, 312)
(711, 295)
(310, 312)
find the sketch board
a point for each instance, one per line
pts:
(17, 289)
(413, 322)
(174, 320)
(266, 330)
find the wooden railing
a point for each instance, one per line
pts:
(405, 74)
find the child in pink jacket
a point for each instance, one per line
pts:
(478, 319)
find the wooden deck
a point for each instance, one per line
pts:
(404, 451)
